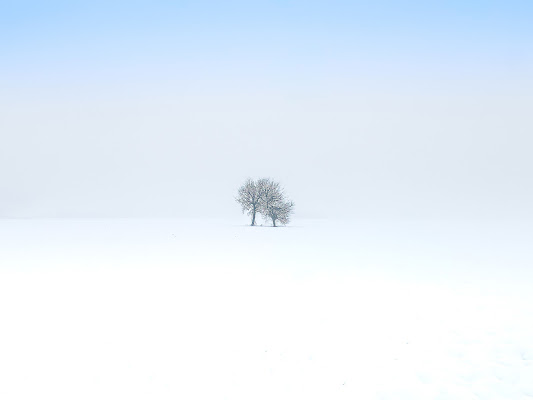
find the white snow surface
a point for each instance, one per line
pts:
(215, 309)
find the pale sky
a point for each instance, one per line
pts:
(154, 108)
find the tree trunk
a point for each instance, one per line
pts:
(274, 222)
(253, 219)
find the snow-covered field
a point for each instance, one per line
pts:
(214, 309)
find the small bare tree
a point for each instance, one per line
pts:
(248, 198)
(273, 204)
(280, 212)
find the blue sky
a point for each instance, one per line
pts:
(280, 38)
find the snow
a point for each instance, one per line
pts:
(322, 309)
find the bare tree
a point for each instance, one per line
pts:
(280, 212)
(273, 204)
(248, 198)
